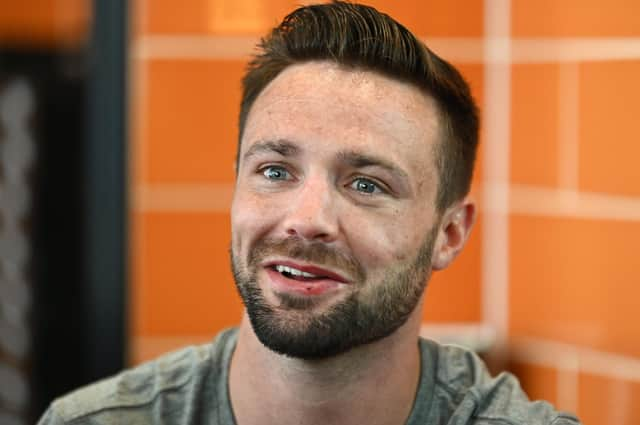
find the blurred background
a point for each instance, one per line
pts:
(117, 143)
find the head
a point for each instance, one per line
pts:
(359, 37)
(355, 156)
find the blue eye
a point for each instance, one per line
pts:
(275, 173)
(365, 186)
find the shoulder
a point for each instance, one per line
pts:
(462, 379)
(170, 381)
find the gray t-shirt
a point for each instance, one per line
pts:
(190, 387)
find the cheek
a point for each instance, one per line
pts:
(250, 220)
(242, 221)
(395, 239)
(378, 244)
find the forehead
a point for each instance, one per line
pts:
(323, 104)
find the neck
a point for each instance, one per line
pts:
(375, 383)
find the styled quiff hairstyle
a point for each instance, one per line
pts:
(360, 37)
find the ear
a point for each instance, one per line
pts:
(455, 228)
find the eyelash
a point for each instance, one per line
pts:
(264, 170)
(379, 188)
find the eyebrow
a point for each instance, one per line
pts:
(360, 160)
(280, 146)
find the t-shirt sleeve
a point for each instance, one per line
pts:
(50, 417)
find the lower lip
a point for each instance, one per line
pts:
(281, 283)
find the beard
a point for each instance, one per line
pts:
(373, 311)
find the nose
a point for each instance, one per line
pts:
(312, 214)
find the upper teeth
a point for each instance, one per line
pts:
(295, 272)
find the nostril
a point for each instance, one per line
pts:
(308, 233)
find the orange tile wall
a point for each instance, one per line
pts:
(44, 22)
(561, 295)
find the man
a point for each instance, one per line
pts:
(355, 157)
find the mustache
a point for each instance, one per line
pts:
(312, 252)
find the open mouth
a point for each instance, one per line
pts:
(305, 273)
(303, 279)
(293, 273)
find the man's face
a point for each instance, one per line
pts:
(333, 217)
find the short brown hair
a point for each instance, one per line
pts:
(359, 36)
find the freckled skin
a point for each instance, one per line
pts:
(326, 109)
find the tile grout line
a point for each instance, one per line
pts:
(620, 399)
(495, 193)
(569, 357)
(568, 126)
(567, 383)
(574, 49)
(184, 197)
(539, 201)
(455, 49)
